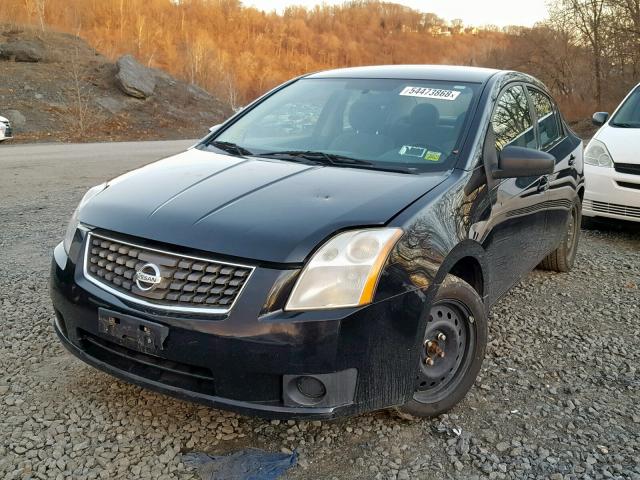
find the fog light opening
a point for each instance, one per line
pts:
(311, 388)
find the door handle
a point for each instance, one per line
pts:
(572, 159)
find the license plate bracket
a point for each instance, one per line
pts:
(132, 332)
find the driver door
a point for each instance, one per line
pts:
(518, 217)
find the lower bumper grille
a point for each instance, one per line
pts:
(179, 375)
(161, 279)
(612, 208)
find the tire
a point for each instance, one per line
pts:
(459, 313)
(563, 257)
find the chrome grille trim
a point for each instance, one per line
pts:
(151, 304)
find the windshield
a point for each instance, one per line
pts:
(628, 115)
(405, 125)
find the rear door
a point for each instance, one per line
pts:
(562, 183)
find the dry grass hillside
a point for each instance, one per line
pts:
(55, 87)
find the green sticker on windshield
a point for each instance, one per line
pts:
(432, 156)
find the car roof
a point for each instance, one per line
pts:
(412, 72)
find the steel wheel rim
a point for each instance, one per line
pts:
(439, 376)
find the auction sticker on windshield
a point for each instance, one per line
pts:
(424, 92)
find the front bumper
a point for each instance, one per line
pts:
(611, 194)
(243, 361)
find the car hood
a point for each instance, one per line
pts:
(265, 210)
(2, 119)
(623, 143)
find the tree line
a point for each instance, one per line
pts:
(587, 51)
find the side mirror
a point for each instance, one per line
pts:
(600, 118)
(516, 162)
(214, 128)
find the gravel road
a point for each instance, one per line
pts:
(558, 395)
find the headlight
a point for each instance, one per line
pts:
(597, 154)
(345, 271)
(75, 218)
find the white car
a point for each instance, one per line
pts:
(5, 129)
(612, 163)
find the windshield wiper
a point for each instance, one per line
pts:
(324, 158)
(625, 124)
(231, 148)
(316, 156)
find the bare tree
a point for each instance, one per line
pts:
(40, 6)
(589, 20)
(80, 97)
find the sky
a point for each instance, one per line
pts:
(472, 12)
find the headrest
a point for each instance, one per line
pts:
(365, 116)
(424, 114)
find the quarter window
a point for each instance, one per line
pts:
(548, 119)
(511, 120)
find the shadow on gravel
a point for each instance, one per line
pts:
(631, 229)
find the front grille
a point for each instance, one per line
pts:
(612, 208)
(629, 168)
(185, 283)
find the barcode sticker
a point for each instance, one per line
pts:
(423, 92)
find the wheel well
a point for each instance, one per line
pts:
(469, 270)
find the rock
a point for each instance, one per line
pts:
(502, 447)
(16, 118)
(462, 446)
(111, 104)
(81, 446)
(23, 51)
(403, 475)
(134, 79)
(197, 93)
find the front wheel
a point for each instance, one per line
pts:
(451, 355)
(563, 257)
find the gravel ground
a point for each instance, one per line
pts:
(557, 398)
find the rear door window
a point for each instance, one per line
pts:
(549, 126)
(511, 120)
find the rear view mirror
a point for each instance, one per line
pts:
(523, 162)
(599, 118)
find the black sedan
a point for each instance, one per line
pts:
(331, 249)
